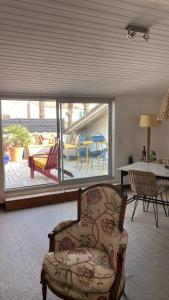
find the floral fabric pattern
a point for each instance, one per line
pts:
(65, 244)
(77, 294)
(89, 271)
(84, 263)
(93, 196)
(107, 225)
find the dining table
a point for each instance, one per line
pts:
(161, 171)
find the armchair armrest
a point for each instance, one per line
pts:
(123, 242)
(63, 225)
(119, 281)
(57, 229)
(116, 247)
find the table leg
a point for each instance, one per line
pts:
(122, 187)
(123, 173)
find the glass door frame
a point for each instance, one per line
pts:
(2, 177)
(111, 122)
(69, 183)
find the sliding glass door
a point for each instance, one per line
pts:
(29, 133)
(85, 140)
(55, 142)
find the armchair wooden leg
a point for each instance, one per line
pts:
(32, 173)
(44, 285)
(44, 291)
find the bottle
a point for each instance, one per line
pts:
(154, 155)
(144, 153)
(130, 159)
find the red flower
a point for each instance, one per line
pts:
(66, 244)
(93, 196)
(87, 217)
(107, 225)
(85, 275)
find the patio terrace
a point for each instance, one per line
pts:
(17, 174)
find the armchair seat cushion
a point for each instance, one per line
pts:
(84, 269)
(40, 162)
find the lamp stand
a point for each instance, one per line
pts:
(148, 143)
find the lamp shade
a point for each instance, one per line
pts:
(148, 120)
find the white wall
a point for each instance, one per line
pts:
(129, 137)
(98, 126)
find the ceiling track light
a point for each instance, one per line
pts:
(132, 30)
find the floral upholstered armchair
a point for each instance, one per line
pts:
(86, 257)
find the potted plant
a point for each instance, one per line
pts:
(17, 137)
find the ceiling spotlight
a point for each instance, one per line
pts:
(131, 34)
(145, 36)
(133, 29)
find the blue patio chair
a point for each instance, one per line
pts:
(100, 157)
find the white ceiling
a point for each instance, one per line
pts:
(79, 47)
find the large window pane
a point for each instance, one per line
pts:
(29, 132)
(85, 139)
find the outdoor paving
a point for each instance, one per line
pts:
(17, 174)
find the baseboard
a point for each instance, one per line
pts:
(21, 202)
(39, 200)
(127, 186)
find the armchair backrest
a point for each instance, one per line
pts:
(101, 212)
(143, 183)
(52, 158)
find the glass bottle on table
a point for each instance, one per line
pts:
(144, 153)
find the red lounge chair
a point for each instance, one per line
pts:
(44, 163)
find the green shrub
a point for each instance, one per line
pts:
(17, 135)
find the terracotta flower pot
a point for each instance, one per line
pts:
(16, 153)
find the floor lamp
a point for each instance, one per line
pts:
(148, 121)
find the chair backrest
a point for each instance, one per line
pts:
(143, 183)
(164, 161)
(101, 213)
(79, 139)
(52, 161)
(98, 137)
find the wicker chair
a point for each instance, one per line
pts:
(86, 257)
(147, 188)
(164, 182)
